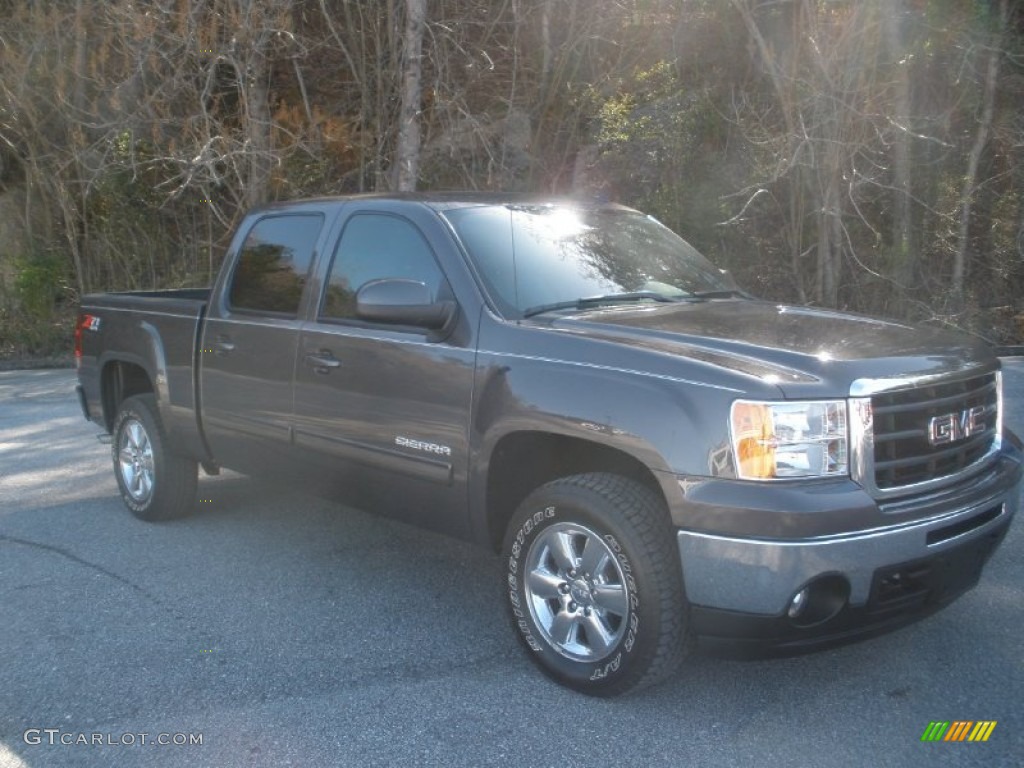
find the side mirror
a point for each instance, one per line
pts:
(402, 302)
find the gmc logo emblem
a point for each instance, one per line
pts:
(956, 426)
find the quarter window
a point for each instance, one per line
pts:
(273, 264)
(373, 247)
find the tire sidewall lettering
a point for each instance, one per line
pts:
(627, 570)
(606, 669)
(629, 641)
(521, 619)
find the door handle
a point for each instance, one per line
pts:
(322, 361)
(222, 345)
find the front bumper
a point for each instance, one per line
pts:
(864, 582)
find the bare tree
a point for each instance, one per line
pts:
(824, 69)
(904, 243)
(981, 137)
(134, 136)
(405, 169)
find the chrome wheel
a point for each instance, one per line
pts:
(135, 460)
(576, 592)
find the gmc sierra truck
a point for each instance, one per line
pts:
(659, 457)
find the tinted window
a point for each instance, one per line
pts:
(373, 247)
(272, 266)
(487, 234)
(536, 256)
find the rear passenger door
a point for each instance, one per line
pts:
(385, 407)
(247, 358)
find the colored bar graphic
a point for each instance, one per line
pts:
(958, 730)
(982, 730)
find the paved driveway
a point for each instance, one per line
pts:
(281, 629)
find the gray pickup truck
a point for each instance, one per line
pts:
(660, 458)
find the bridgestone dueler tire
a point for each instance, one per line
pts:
(172, 491)
(630, 637)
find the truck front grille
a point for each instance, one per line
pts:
(933, 431)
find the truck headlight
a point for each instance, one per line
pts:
(789, 439)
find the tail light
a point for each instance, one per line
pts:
(85, 322)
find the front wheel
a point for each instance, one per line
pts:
(594, 584)
(154, 483)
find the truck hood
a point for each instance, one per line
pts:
(805, 352)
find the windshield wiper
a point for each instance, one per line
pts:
(728, 293)
(609, 299)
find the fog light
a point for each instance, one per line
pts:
(819, 600)
(796, 605)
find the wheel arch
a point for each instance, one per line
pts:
(522, 461)
(119, 380)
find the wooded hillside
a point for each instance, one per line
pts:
(860, 154)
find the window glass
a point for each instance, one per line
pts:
(374, 247)
(487, 234)
(273, 264)
(540, 256)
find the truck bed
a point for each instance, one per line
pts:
(157, 331)
(182, 300)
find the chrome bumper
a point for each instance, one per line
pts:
(757, 576)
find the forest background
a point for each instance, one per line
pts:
(858, 154)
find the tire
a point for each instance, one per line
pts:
(155, 484)
(594, 584)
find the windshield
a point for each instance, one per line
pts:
(540, 257)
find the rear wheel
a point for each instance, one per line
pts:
(595, 587)
(154, 483)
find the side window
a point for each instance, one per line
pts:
(372, 247)
(273, 264)
(487, 234)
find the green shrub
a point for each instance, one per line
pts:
(36, 309)
(40, 283)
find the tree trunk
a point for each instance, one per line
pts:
(768, 59)
(547, 51)
(903, 245)
(963, 250)
(257, 127)
(405, 169)
(829, 248)
(73, 220)
(78, 73)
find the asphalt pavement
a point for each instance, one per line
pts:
(280, 629)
